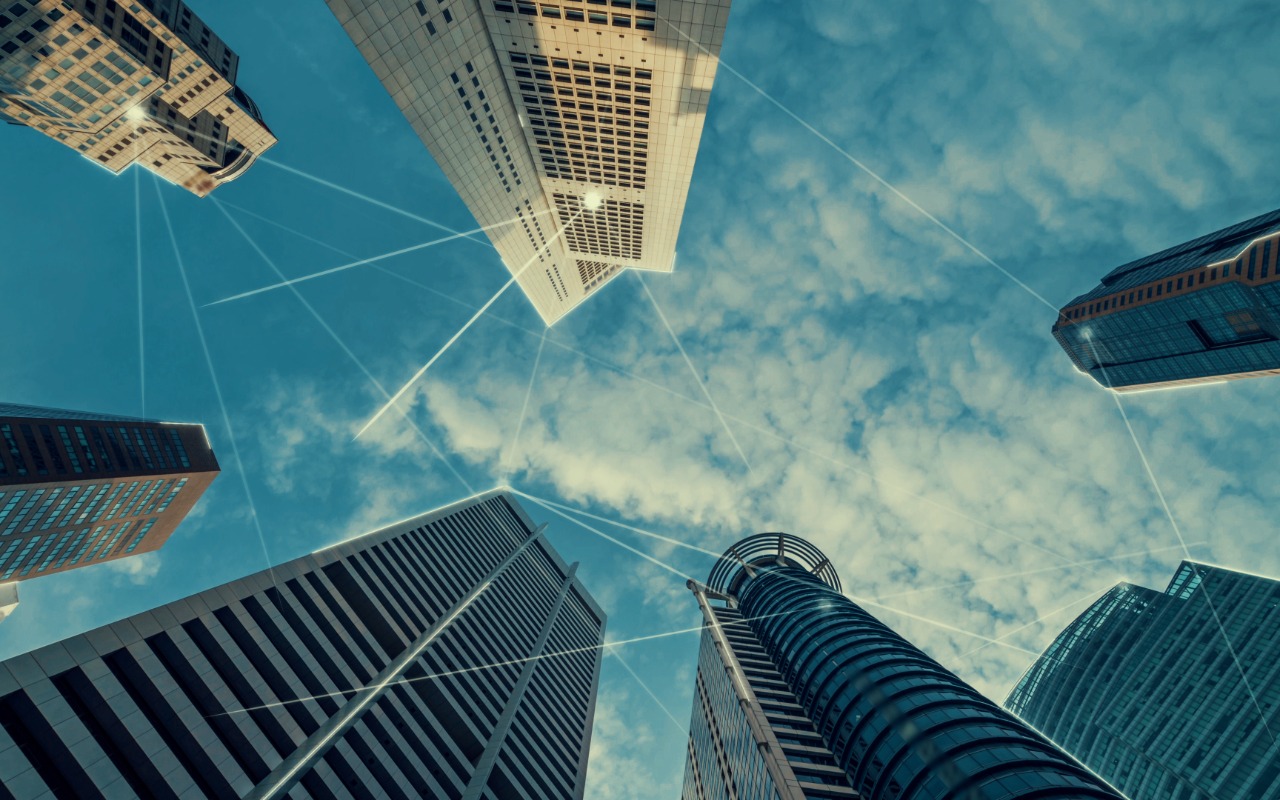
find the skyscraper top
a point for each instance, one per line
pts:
(569, 130)
(779, 549)
(1207, 310)
(145, 84)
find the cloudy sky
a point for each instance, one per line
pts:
(898, 399)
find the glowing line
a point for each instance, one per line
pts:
(528, 392)
(943, 625)
(368, 199)
(1244, 679)
(362, 262)
(694, 370)
(627, 373)
(217, 387)
(618, 542)
(513, 662)
(137, 239)
(679, 726)
(642, 531)
(359, 705)
(1054, 568)
(343, 345)
(946, 229)
(1038, 620)
(551, 507)
(463, 329)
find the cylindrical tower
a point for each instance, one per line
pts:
(898, 724)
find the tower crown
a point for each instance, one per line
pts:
(769, 549)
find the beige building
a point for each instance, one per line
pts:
(141, 82)
(571, 126)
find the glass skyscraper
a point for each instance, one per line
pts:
(1204, 311)
(1169, 696)
(452, 655)
(78, 488)
(802, 694)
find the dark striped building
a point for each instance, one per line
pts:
(453, 655)
(79, 488)
(1204, 311)
(802, 694)
(1170, 695)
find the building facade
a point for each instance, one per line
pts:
(1205, 311)
(123, 83)
(802, 694)
(452, 655)
(1169, 696)
(569, 128)
(78, 489)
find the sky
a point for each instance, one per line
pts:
(896, 394)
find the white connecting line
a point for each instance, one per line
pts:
(137, 240)
(463, 329)
(871, 173)
(343, 345)
(364, 261)
(694, 371)
(217, 386)
(694, 401)
(504, 465)
(1155, 484)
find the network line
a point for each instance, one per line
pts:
(368, 199)
(137, 241)
(694, 371)
(861, 600)
(674, 393)
(684, 729)
(504, 464)
(516, 276)
(1155, 484)
(362, 262)
(870, 172)
(217, 386)
(509, 663)
(343, 346)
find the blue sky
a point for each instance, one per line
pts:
(900, 401)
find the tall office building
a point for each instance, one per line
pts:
(452, 655)
(1172, 696)
(802, 694)
(79, 489)
(1205, 311)
(569, 128)
(142, 82)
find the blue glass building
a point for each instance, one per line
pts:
(1204, 311)
(802, 694)
(1169, 696)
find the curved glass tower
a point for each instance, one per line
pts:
(802, 694)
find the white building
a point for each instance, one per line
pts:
(572, 126)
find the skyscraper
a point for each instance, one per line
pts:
(802, 694)
(1207, 310)
(79, 489)
(452, 655)
(141, 82)
(569, 128)
(1172, 696)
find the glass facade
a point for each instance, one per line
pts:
(894, 723)
(1168, 695)
(78, 488)
(453, 655)
(1203, 311)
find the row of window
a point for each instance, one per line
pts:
(570, 14)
